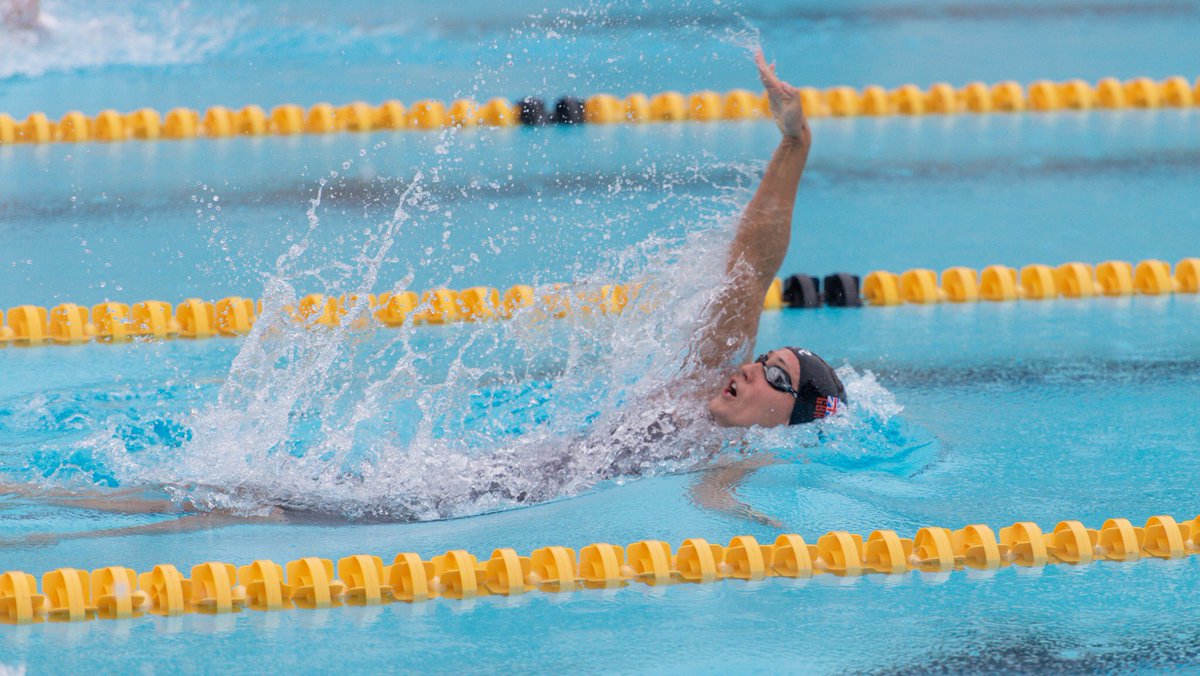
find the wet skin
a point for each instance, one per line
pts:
(748, 399)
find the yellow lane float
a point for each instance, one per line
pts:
(120, 593)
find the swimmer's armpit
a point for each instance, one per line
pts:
(716, 490)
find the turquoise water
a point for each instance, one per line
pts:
(1041, 411)
(1028, 411)
(878, 193)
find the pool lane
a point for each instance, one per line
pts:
(499, 207)
(1040, 411)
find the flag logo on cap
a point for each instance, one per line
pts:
(827, 406)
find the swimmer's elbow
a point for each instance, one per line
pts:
(714, 489)
(712, 496)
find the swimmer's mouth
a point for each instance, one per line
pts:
(732, 389)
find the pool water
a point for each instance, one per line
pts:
(983, 413)
(1041, 412)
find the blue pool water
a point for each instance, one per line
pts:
(986, 413)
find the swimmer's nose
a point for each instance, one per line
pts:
(747, 370)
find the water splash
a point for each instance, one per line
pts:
(432, 422)
(438, 422)
(745, 36)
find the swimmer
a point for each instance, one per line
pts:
(789, 385)
(784, 386)
(20, 14)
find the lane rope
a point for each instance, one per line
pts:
(703, 106)
(118, 592)
(1033, 282)
(114, 322)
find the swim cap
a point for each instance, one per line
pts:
(821, 391)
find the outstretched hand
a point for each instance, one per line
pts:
(785, 102)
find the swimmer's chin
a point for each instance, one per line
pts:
(728, 410)
(716, 410)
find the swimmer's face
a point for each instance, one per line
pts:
(746, 398)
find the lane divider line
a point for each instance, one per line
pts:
(1033, 282)
(113, 322)
(703, 106)
(118, 592)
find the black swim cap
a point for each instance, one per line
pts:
(821, 391)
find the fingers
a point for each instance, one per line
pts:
(760, 60)
(766, 73)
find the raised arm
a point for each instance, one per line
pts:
(764, 230)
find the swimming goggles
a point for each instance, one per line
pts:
(777, 377)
